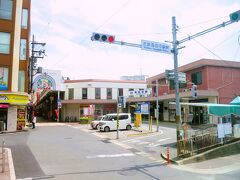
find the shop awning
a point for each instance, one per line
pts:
(5, 106)
(236, 101)
(217, 109)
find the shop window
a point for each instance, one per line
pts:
(6, 9)
(3, 78)
(109, 93)
(97, 93)
(84, 93)
(24, 18)
(21, 81)
(5, 42)
(23, 46)
(70, 93)
(197, 77)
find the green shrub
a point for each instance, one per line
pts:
(85, 120)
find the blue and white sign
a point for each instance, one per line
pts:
(142, 108)
(155, 46)
(140, 93)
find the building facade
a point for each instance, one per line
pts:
(217, 82)
(14, 60)
(94, 97)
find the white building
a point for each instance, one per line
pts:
(94, 96)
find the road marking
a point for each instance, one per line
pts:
(163, 139)
(144, 142)
(110, 155)
(160, 132)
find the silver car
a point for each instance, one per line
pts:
(95, 123)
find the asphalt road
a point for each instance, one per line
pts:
(66, 153)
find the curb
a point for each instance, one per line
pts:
(163, 155)
(10, 164)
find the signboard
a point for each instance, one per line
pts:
(142, 108)
(14, 99)
(155, 46)
(21, 117)
(3, 78)
(140, 93)
(169, 74)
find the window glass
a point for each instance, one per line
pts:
(4, 43)
(120, 91)
(181, 85)
(197, 77)
(70, 93)
(24, 18)
(23, 45)
(6, 9)
(109, 93)
(21, 81)
(97, 93)
(84, 93)
(3, 78)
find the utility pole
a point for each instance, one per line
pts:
(157, 111)
(234, 17)
(35, 54)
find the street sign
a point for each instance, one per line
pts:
(155, 46)
(169, 74)
(142, 108)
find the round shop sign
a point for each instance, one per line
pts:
(44, 82)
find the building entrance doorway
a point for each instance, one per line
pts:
(3, 119)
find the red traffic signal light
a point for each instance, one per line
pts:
(103, 37)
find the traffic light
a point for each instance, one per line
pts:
(194, 90)
(103, 37)
(234, 17)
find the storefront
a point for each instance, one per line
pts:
(13, 112)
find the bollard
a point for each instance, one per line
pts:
(168, 156)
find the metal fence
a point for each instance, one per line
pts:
(202, 141)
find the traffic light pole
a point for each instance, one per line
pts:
(175, 44)
(175, 57)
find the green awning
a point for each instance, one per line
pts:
(216, 109)
(223, 109)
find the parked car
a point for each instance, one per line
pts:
(95, 123)
(110, 122)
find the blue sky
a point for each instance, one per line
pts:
(67, 28)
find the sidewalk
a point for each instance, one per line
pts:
(9, 172)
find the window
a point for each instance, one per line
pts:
(21, 81)
(70, 93)
(197, 77)
(6, 9)
(181, 85)
(84, 93)
(120, 91)
(4, 43)
(97, 93)
(109, 93)
(24, 18)
(23, 48)
(3, 78)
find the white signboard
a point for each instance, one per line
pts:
(156, 46)
(140, 93)
(220, 129)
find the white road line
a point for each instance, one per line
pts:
(144, 142)
(163, 139)
(142, 137)
(110, 155)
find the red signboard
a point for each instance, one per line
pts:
(4, 105)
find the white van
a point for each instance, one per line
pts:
(110, 122)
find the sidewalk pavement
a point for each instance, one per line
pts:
(7, 171)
